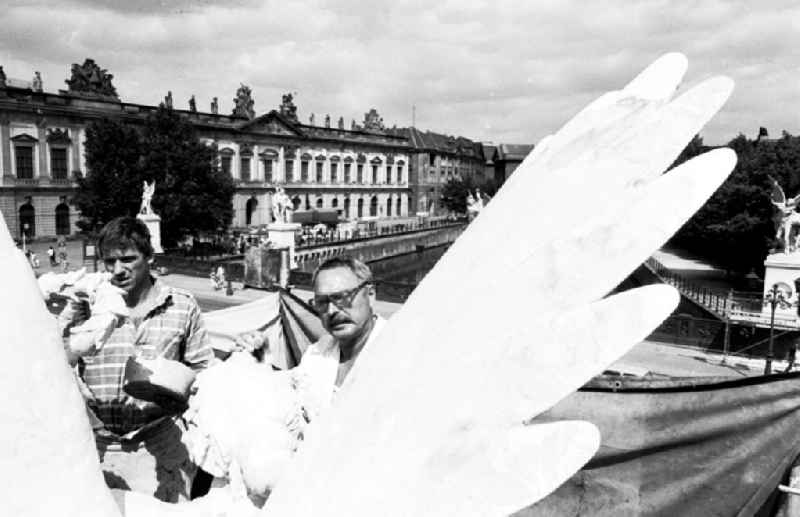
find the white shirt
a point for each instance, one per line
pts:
(316, 374)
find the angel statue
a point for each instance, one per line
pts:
(464, 437)
(147, 196)
(789, 217)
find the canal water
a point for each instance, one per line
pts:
(397, 276)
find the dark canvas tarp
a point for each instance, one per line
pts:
(702, 447)
(301, 327)
(671, 447)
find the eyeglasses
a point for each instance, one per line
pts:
(342, 299)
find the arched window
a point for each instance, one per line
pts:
(347, 207)
(373, 206)
(360, 208)
(62, 219)
(27, 220)
(399, 207)
(250, 208)
(296, 202)
(319, 203)
(334, 203)
(388, 207)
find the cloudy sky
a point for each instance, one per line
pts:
(490, 70)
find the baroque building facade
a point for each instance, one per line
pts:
(362, 171)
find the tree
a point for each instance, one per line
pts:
(455, 191)
(112, 157)
(736, 227)
(192, 194)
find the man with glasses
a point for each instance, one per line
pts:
(343, 296)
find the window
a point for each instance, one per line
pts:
(226, 164)
(296, 203)
(347, 207)
(268, 170)
(58, 163)
(373, 206)
(335, 203)
(289, 169)
(347, 173)
(304, 171)
(319, 203)
(360, 208)
(374, 174)
(24, 154)
(334, 167)
(360, 173)
(389, 174)
(249, 210)
(245, 168)
(399, 206)
(389, 207)
(319, 172)
(431, 159)
(399, 174)
(62, 219)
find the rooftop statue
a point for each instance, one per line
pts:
(168, 100)
(2, 78)
(341, 123)
(215, 106)
(92, 80)
(36, 84)
(789, 218)
(192, 104)
(373, 121)
(243, 104)
(287, 107)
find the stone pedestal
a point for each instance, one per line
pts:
(153, 223)
(782, 269)
(281, 235)
(263, 267)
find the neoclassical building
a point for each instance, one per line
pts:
(362, 171)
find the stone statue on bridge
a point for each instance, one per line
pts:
(789, 218)
(147, 197)
(281, 206)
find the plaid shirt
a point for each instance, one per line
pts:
(173, 329)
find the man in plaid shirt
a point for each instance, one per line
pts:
(140, 443)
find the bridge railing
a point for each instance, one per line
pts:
(738, 306)
(310, 239)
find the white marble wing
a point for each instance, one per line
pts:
(48, 460)
(511, 319)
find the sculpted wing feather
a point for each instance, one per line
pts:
(776, 195)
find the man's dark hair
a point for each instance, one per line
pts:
(123, 233)
(358, 268)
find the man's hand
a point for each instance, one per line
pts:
(255, 343)
(75, 312)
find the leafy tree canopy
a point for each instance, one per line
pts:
(455, 191)
(192, 193)
(736, 227)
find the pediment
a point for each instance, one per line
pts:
(273, 123)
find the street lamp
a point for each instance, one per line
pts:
(777, 296)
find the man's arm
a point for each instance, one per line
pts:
(198, 353)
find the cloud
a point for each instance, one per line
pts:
(498, 70)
